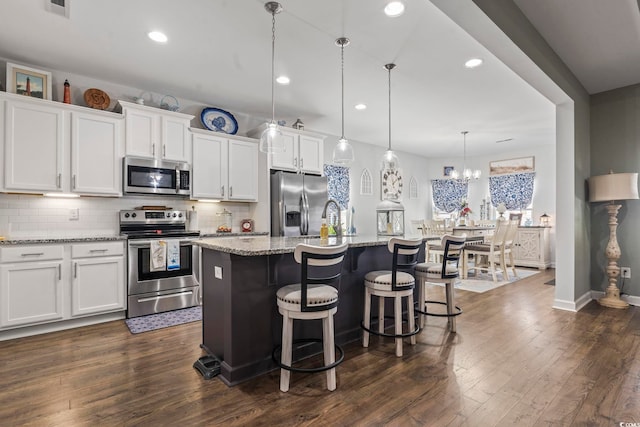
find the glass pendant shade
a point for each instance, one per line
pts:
(390, 159)
(343, 153)
(466, 174)
(271, 140)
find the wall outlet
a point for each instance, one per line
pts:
(74, 214)
(217, 272)
(625, 272)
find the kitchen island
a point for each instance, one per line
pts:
(240, 277)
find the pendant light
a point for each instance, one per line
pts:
(390, 160)
(343, 151)
(466, 174)
(271, 140)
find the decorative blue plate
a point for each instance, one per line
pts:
(219, 120)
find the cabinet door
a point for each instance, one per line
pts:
(175, 139)
(98, 285)
(34, 147)
(311, 154)
(243, 171)
(96, 154)
(209, 167)
(30, 292)
(141, 133)
(528, 245)
(288, 159)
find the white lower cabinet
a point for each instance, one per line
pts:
(98, 278)
(44, 284)
(31, 286)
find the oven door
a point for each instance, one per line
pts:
(142, 278)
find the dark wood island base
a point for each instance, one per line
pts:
(240, 276)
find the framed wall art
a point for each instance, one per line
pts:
(519, 165)
(446, 171)
(28, 81)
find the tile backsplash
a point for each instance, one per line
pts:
(33, 216)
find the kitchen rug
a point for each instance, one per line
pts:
(482, 282)
(164, 320)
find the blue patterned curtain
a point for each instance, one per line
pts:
(448, 194)
(338, 184)
(515, 190)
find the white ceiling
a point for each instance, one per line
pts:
(219, 54)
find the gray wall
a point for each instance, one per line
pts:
(615, 137)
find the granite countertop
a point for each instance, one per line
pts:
(252, 233)
(266, 245)
(41, 240)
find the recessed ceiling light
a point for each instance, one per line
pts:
(283, 80)
(157, 36)
(473, 63)
(394, 9)
(360, 107)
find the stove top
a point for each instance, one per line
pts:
(147, 223)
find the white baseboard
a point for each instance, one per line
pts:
(574, 306)
(630, 299)
(28, 331)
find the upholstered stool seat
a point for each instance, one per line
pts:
(313, 298)
(393, 284)
(445, 272)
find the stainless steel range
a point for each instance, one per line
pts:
(163, 262)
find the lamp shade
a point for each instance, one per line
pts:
(613, 186)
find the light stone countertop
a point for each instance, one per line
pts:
(266, 245)
(47, 240)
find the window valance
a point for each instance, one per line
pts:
(514, 190)
(448, 194)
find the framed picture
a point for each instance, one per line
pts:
(446, 171)
(521, 164)
(28, 81)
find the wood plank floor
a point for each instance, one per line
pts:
(514, 361)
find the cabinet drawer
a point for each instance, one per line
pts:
(31, 253)
(88, 250)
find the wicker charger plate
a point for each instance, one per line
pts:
(95, 98)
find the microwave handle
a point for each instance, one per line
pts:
(177, 178)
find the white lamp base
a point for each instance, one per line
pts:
(612, 252)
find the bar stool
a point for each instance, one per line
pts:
(312, 298)
(393, 284)
(445, 272)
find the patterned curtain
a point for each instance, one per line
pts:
(338, 184)
(515, 190)
(448, 194)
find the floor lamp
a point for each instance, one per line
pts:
(610, 188)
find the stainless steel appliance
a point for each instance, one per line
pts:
(297, 202)
(152, 289)
(152, 176)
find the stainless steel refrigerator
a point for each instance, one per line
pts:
(297, 202)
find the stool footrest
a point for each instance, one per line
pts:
(458, 313)
(278, 349)
(382, 334)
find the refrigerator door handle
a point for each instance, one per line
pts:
(302, 214)
(306, 214)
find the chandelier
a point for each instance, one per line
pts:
(466, 174)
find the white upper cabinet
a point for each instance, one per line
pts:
(96, 152)
(54, 147)
(304, 151)
(224, 167)
(155, 133)
(35, 139)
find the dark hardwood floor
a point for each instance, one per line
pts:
(514, 361)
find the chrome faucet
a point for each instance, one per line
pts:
(324, 216)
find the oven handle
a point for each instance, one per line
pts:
(147, 243)
(179, 294)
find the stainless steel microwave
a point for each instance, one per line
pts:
(150, 176)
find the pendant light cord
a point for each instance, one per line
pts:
(464, 152)
(342, 82)
(389, 68)
(273, 67)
